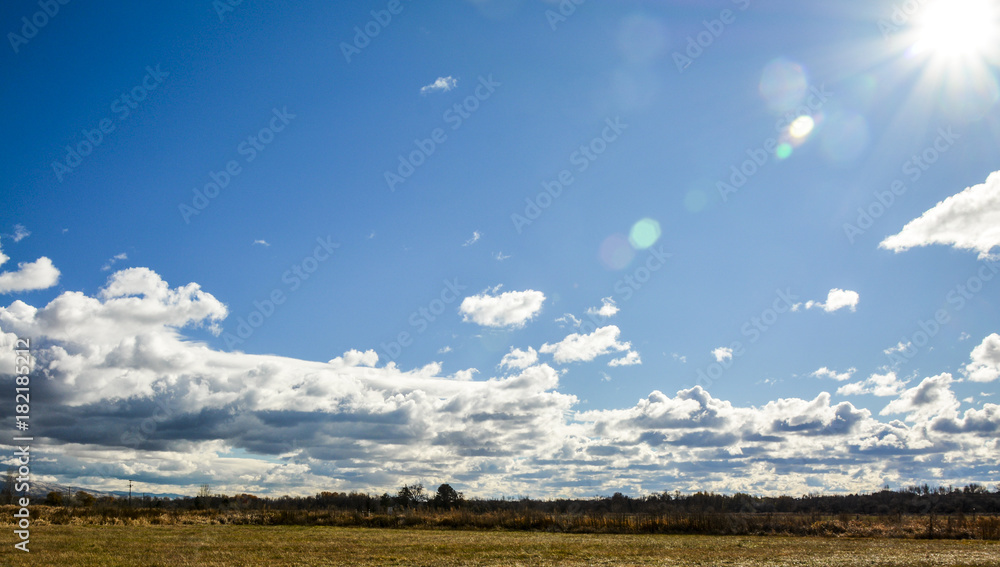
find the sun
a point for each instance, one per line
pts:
(957, 29)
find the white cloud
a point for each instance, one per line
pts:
(40, 274)
(569, 319)
(263, 243)
(509, 309)
(607, 308)
(584, 348)
(827, 373)
(182, 410)
(964, 336)
(899, 347)
(877, 384)
(114, 260)
(354, 357)
(630, 359)
(933, 396)
(969, 220)
(518, 358)
(836, 300)
(722, 353)
(20, 233)
(444, 350)
(476, 235)
(680, 358)
(442, 84)
(985, 365)
(500, 256)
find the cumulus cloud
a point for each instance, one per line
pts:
(630, 359)
(266, 244)
(836, 300)
(136, 399)
(825, 372)
(518, 358)
(508, 309)
(985, 365)
(722, 353)
(584, 348)
(354, 357)
(442, 84)
(876, 384)
(969, 220)
(40, 274)
(933, 396)
(606, 310)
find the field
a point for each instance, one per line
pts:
(218, 545)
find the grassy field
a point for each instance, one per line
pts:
(175, 546)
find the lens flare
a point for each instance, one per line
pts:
(956, 28)
(616, 253)
(783, 151)
(801, 127)
(783, 84)
(644, 234)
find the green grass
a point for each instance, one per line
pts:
(176, 546)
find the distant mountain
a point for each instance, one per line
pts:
(39, 490)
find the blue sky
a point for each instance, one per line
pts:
(766, 198)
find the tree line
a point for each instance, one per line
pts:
(914, 500)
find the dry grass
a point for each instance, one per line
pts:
(217, 545)
(844, 525)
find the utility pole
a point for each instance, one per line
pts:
(130, 493)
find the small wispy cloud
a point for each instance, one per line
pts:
(680, 358)
(568, 319)
(607, 309)
(114, 260)
(500, 256)
(835, 300)
(838, 376)
(722, 353)
(444, 350)
(476, 235)
(442, 84)
(20, 233)
(263, 243)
